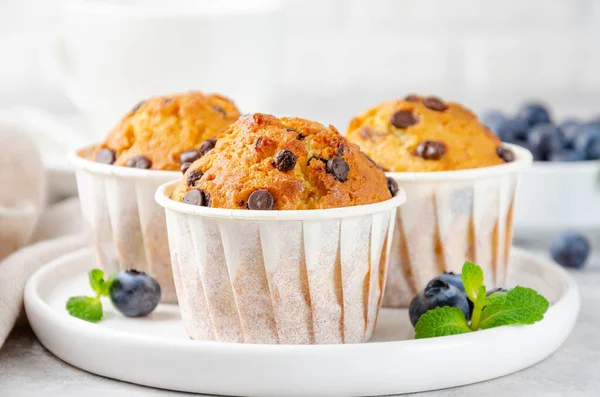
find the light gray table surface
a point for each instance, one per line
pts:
(27, 369)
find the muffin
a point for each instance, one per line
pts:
(162, 133)
(419, 134)
(291, 163)
(460, 182)
(280, 234)
(117, 179)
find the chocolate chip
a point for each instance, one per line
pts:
(207, 146)
(189, 156)
(430, 150)
(412, 98)
(220, 110)
(167, 100)
(261, 200)
(207, 199)
(193, 177)
(338, 167)
(285, 160)
(140, 161)
(137, 106)
(300, 137)
(290, 130)
(505, 154)
(240, 203)
(106, 156)
(434, 103)
(184, 167)
(403, 119)
(195, 197)
(340, 151)
(392, 186)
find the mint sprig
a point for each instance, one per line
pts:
(519, 305)
(89, 308)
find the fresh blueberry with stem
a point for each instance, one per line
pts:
(570, 249)
(437, 293)
(134, 293)
(534, 113)
(545, 139)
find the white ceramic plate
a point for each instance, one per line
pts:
(557, 196)
(155, 351)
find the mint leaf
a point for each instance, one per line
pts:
(98, 284)
(441, 321)
(520, 305)
(96, 277)
(472, 277)
(85, 308)
(105, 290)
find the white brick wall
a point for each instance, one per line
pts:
(340, 56)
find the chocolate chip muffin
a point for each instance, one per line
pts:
(263, 162)
(165, 133)
(418, 134)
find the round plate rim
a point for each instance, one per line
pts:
(38, 310)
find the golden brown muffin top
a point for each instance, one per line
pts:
(265, 162)
(419, 134)
(157, 131)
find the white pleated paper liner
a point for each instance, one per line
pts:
(450, 217)
(288, 277)
(128, 226)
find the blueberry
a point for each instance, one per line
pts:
(437, 293)
(534, 151)
(570, 249)
(569, 129)
(567, 155)
(493, 291)
(511, 130)
(134, 293)
(587, 139)
(492, 118)
(546, 139)
(534, 113)
(452, 279)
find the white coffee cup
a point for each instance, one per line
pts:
(116, 53)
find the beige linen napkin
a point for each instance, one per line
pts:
(30, 235)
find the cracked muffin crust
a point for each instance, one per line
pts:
(418, 134)
(162, 131)
(263, 162)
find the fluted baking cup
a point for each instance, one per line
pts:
(289, 277)
(450, 217)
(128, 226)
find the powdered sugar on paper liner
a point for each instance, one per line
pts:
(449, 219)
(128, 227)
(317, 280)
